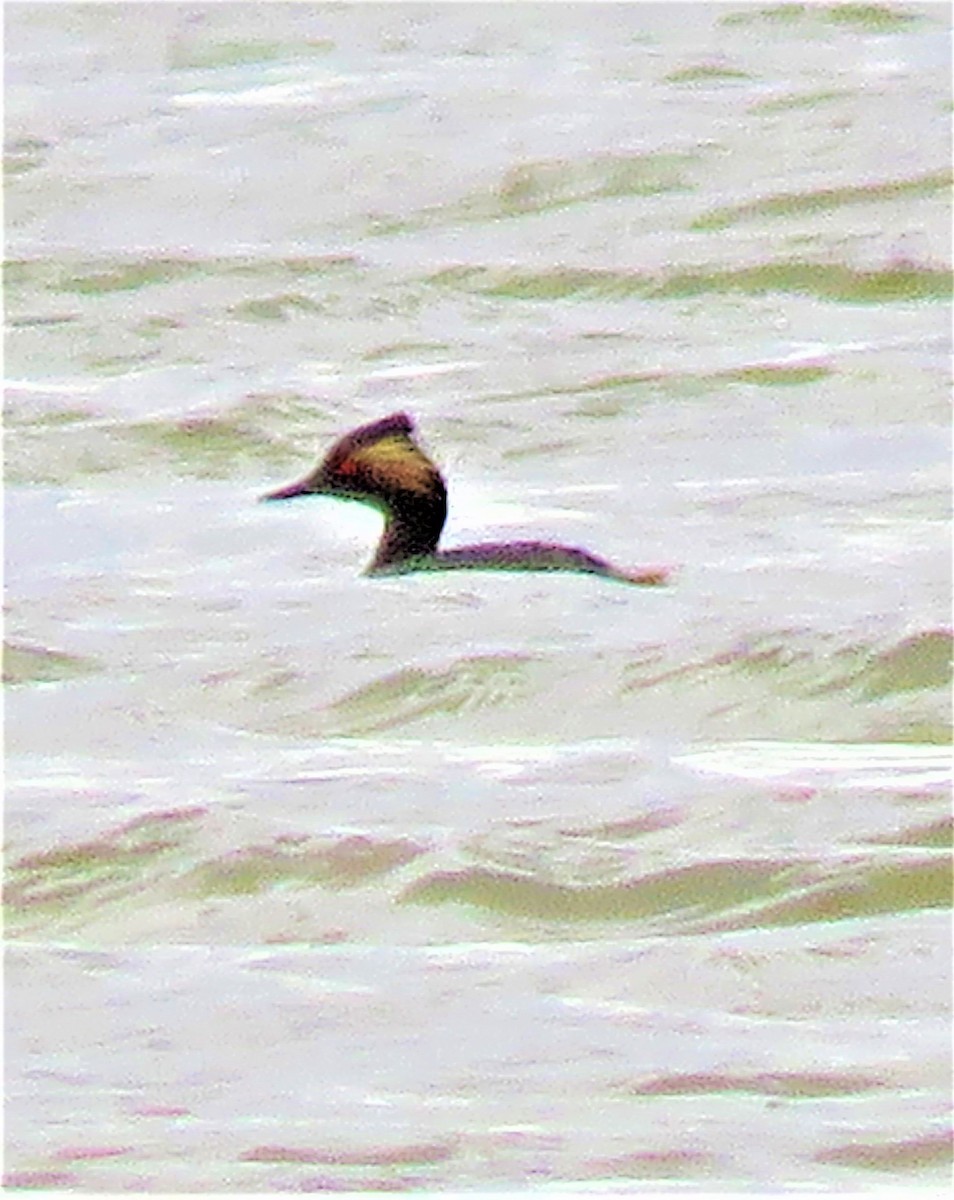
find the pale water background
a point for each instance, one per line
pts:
(478, 881)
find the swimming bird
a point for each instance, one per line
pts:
(381, 464)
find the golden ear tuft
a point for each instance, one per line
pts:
(396, 462)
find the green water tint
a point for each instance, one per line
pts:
(65, 886)
(16, 418)
(207, 447)
(402, 1155)
(608, 395)
(762, 689)
(825, 281)
(275, 308)
(24, 154)
(96, 277)
(866, 18)
(301, 862)
(673, 895)
(771, 375)
(919, 662)
(892, 883)
(414, 694)
(282, 289)
(37, 664)
(933, 835)
(793, 1085)
(190, 54)
(156, 327)
(889, 685)
(155, 855)
(706, 73)
(154, 859)
(44, 321)
(906, 1154)
(546, 186)
(128, 277)
(537, 187)
(260, 431)
(396, 352)
(798, 100)
(710, 896)
(824, 200)
(774, 14)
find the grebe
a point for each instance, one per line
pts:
(381, 464)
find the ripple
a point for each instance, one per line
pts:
(789, 204)
(23, 664)
(906, 1154)
(793, 1085)
(484, 681)
(836, 282)
(707, 896)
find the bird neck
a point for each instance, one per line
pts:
(412, 529)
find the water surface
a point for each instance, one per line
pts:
(317, 882)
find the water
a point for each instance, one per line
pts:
(478, 881)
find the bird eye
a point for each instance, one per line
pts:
(348, 467)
